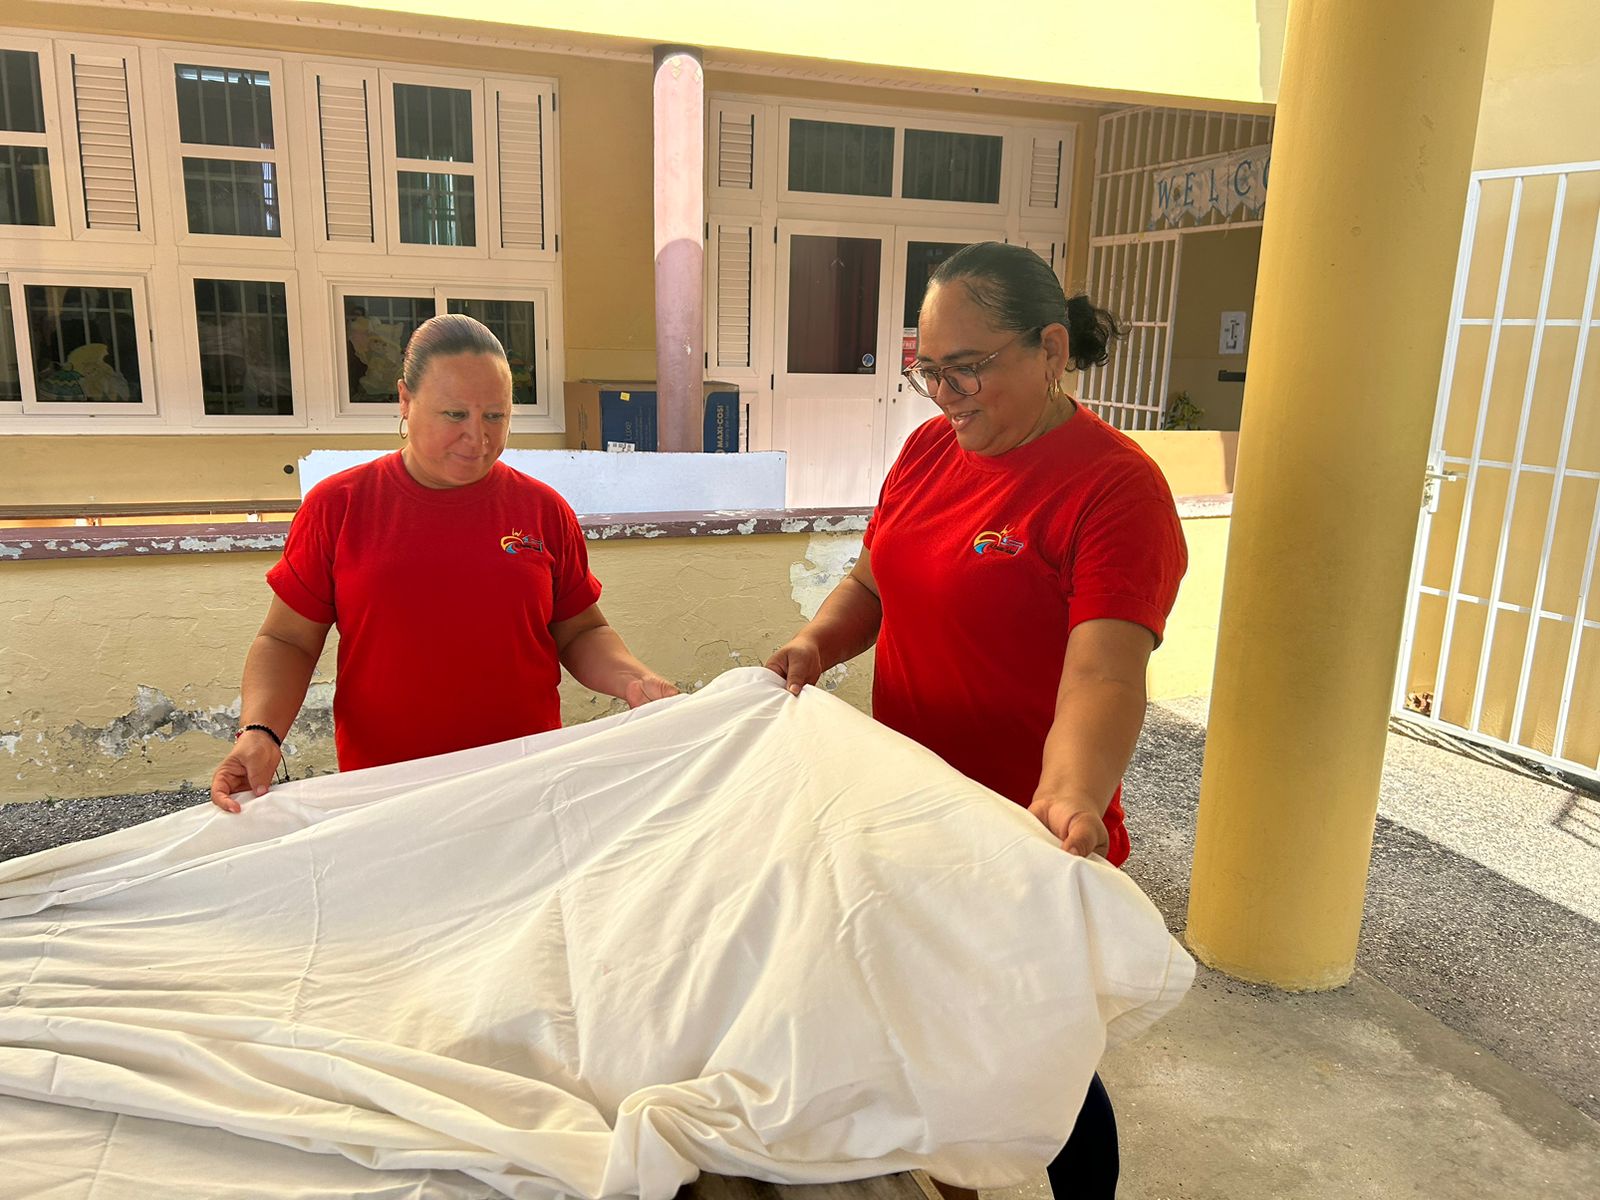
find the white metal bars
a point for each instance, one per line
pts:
(1134, 272)
(1138, 282)
(1137, 144)
(1499, 643)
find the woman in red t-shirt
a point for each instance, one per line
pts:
(460, 587)
(1015, 577)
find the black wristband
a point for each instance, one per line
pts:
(276, 740)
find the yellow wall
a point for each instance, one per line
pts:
(1539, 84)
(1183, 664)
(123, 672)
(1219, 50)
(1217, 275)
(1195, 462)
(68, 470)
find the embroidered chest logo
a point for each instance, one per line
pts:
(516, 542)
(990, 543)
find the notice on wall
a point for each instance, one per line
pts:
(1232, 341)
(1224, 184)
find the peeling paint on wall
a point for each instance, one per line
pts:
(828, 560)
(155, 716)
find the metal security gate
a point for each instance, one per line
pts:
(1133, 268)
(1501, 642)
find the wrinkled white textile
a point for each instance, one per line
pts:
(739, 931)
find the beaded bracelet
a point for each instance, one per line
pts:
(283, 765)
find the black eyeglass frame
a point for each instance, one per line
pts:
(918, 377)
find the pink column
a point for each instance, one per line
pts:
(680, 248)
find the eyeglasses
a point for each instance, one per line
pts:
(963, 378)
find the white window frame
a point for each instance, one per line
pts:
(224, 58)
(544, 324)
(200, 419)
(543, 417)
(393, 164)
(50, 140)
(67, 98)
(344, 410)
(162, 260)
(899, 121)
(137, 283)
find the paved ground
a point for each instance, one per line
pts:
(1459, 918)
(1462, 1062)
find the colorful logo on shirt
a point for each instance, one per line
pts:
(517, 541)
(991, 543)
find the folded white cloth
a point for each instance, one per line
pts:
(739, 931)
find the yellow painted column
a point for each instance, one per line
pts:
(1371, 156)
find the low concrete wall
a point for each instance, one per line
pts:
(119, 668)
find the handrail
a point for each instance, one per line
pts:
(93, 513)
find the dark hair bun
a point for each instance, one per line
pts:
(1090, 330)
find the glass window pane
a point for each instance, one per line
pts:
(228, 197)
(224, 106)
(10, 375)
(85, 344)
(433, 122)
(922, 258)
(244, 347)
(437, 210)
(833, 305)
(952, 166)
(25, 197)
(841, 159)
(376, 330)
(512, 321)
(21, 95)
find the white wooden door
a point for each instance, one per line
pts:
(833, 361)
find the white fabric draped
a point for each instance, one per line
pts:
(739, 931)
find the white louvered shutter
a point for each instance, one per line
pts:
(1048, 170)
(734, 134)
(105, 141)
(731, 337)
(521, 121)
(344, 119)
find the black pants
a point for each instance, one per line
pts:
(1086, 1168)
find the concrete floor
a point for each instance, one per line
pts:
(1462, 1062)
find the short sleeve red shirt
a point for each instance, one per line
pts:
(984, 566)
(443, 599)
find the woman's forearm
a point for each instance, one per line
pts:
(1091, 741)
(273, 686)
(847, 624)
(599, 659)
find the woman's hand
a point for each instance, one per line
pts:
(798, 661)
(647, 687)
(248, 768)
(1078, 825)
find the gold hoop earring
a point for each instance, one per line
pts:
(402, 427)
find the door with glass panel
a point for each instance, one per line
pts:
(833, 364)
(918, 253)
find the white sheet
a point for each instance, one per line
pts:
(740, 932)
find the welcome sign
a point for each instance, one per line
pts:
(1223, 184)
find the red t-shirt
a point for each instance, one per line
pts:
(443, 599)
(985, 565)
